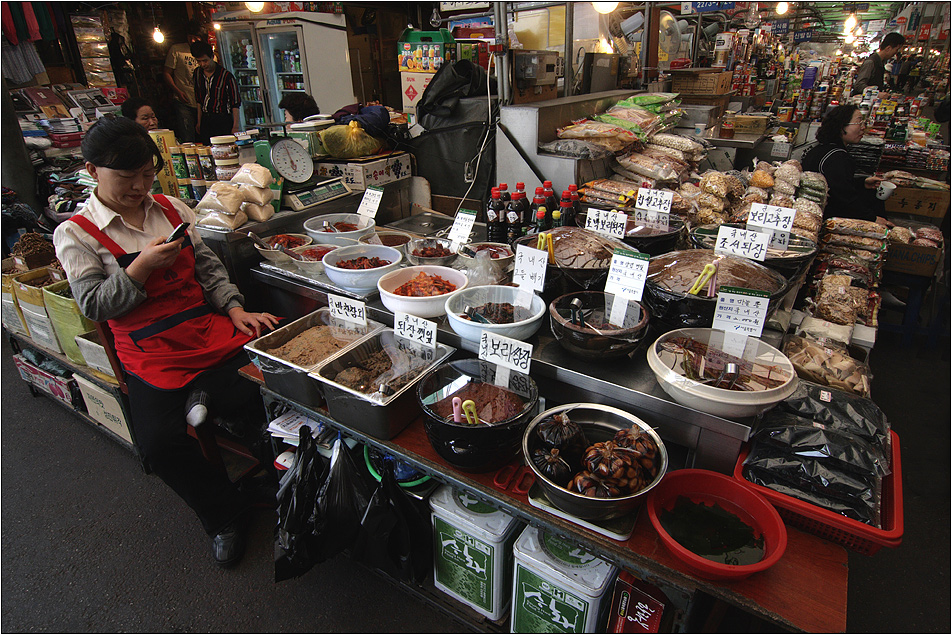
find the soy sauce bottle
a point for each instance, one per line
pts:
(517, 212)
(541, 221)
(567, 209)
(496, 218)
(551, 200)
(504, 192)
(537, 201)
(576, 201)
(557, 218)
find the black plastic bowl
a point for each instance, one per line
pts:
(791, 263)
(670, 275)
(473, 448)
(649, 240)
(582, 340)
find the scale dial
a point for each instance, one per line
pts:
(292, 161)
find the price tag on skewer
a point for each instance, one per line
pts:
(462, 226)
(741, 310)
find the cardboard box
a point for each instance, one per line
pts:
(701, 83)
(104, 407)
(358, 175)
(913, 200)
(41, 328)
(912, 259)
(412, 86)
(94, 353)
(62, 388)
(751, 124)
(425, 51)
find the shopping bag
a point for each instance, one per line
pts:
(395, 533)
(295, 547)
(340, 505)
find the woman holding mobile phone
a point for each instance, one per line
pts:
(178, 322)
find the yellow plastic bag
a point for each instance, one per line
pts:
(68, 321)
(349, 142)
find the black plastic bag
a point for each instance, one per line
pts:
(840, 410)
(815, 481)
(451, 83)
(803, 437)
(395, 533)
(295, 547)
(340, 505)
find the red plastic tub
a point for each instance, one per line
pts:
(704, 486)
(852, 534)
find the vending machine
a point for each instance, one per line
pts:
(274, 55)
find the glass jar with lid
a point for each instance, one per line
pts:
(226, 168)
(224, 147)
(726, 130)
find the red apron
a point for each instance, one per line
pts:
(174, 335)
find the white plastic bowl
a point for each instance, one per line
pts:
(425, 307)
(311, 267)
(471, 332)
(360, 280)
(721, 401)
(277, 256)
(313, 228)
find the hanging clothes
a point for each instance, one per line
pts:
(9, 28)
(19, 21)
(21, 63)
(32, 26)
(45, 20)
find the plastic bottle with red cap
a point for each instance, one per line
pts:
(567, 210)
(576, 202)
(496, 218)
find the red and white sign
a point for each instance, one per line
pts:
(924, 31)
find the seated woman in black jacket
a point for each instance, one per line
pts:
(849, 196)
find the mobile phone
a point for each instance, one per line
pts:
(177, 233)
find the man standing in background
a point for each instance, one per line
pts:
(180, 68)
(873, 70)
(216, 93)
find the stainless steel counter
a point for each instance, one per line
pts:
(711, 442)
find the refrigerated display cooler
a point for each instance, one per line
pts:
(288, 53)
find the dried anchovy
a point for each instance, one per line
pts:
(32, 243)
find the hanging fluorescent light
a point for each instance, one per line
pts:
(158, 36)
(849, 24)
(255, 7)
(605, 7)
(782, 8)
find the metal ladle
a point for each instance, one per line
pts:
(253, 236)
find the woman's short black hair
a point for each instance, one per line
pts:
(131, 106)
(120, 144)
(300, 105)
(831, 130)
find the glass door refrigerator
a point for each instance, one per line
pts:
(284, 65)
(240, 57)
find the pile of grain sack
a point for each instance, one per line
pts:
(231, 204)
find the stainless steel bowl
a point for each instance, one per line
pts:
(599, 423)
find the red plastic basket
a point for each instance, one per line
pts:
(852, 534)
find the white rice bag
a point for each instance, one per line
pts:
(258, 213)
(253, 174)
(219, 219)
(221, 197)
(255, 194)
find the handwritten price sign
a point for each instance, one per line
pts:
(462, 226)
(505, 351)
(741, 242)
(654, 200)
(627, 274)
(415, 328)
(741, 310)
(606, 222)
(347, 309)
(530, 267)
(370, 202)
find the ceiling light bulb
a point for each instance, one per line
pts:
(858, 32)
(849, 24)
(605, 7)
(255, 7)
(216, 26)
(839, 52)
(782, 8)
(158, 36)
(850, 39)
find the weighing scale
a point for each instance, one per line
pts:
(301, 189)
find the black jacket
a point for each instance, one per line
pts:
(848, 196)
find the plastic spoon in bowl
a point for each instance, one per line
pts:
(253, 236)
(457, 410)
(290, 254)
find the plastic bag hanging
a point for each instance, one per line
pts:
(340, 505)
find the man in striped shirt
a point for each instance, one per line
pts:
(216, 92)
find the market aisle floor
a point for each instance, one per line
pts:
(90, 543)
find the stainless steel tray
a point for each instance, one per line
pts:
(290, 379)
(379, 415)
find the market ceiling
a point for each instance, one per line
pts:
(832, 14)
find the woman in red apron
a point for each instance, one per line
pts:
(178, 322)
